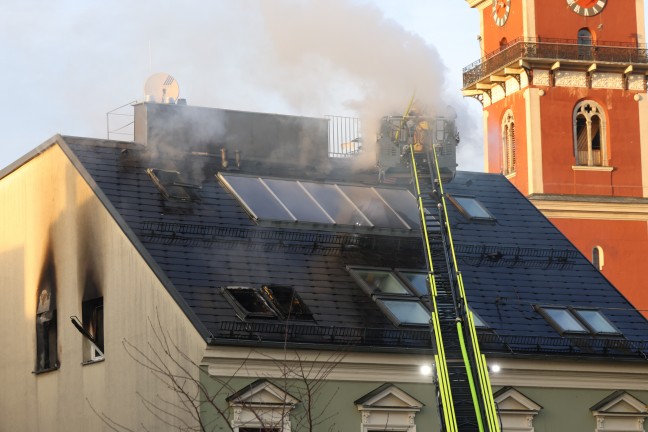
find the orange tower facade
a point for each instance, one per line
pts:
(563, 86)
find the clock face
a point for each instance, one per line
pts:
(586, 7)
(501, 9)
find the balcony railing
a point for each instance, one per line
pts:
(554, 49)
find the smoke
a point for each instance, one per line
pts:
(352, 51)
(308, 57)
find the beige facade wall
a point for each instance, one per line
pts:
(49, 212)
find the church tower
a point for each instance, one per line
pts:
(563, 89)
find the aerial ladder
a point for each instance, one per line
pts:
(463, 387)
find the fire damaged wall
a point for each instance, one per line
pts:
(63, 254)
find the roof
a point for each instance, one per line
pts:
(510, 265)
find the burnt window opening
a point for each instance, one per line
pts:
(46, 330)
(248, 302)
(286, 300)
(93, 323)
(173, 186)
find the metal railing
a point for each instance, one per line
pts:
(554, 49)
(121, 122)
(345, 136)
(490, 342)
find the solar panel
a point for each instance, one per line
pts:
(301, 201)
(300, 204)
(370, 203)
(336, 204)
(257, 198)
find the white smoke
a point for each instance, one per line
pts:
(308, 57)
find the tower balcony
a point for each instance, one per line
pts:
(543, 53)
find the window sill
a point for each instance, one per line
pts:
(89, 362)
(510, 176)
(42, 371)
(592, 168)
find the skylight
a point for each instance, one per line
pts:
(248, 302)
(399, 299)
(172, 185)
(596, 321)
(286, 300)
(282, 200)
(406, 311)
(471, 207)
(576, 320)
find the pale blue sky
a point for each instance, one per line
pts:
(66, 63)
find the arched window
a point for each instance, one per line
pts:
(597, 257)
(584, 44)
(503, 43)
(508, 144)
(589, 134)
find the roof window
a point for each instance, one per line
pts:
(286, 300)
(575, 320)
(173, 186)
(248, 302)
(471, 207)
(394, 293)
(267, 199)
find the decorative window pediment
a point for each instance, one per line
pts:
(261, 405)
(620, 412)
(516, 410)
(388, 408)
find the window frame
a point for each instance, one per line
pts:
(241, 311)
(46, 320)
(573, 312)
(577, 313)
(306, 316)
(95, 328)
(466, 214)
(580, 110)
(509, 160)
(410, 295)
(186, 191)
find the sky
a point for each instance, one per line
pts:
(66, 64)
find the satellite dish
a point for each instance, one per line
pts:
(161, 88)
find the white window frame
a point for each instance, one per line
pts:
(610, 417)
(262, 405)
(516, 411)
(377, 416)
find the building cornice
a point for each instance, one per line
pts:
(590, 207)
(543, 372)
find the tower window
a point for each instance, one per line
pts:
(584, 44)
(508, 144)
(597, 257)
(589, 134)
